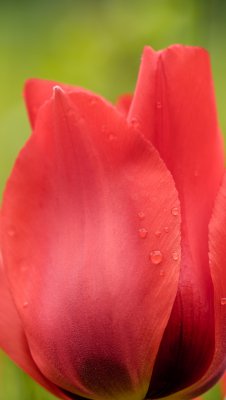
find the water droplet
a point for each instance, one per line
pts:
(143, 233)
(141, 215)
(25, 304)
(175, 256)
(156, 257)
(112, 137)
(162, 272)
(166, 229)
(223, 301)
(135, 123)
(158, 233)
(11, 232)
(158, 105)
(175, 211)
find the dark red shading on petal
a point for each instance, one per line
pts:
(123, 103)
(37, 91)
(175, 108)
(83, 192)
(13, 340)
(217, 240)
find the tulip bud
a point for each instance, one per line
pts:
(113, 235)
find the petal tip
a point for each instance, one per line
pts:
(147, 51)
(28, 86)
(189, 50)
(59, 97)
(57, 90)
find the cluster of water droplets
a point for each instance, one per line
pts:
(156, 256)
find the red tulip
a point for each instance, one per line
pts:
(113, 236)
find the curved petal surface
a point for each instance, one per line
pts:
(37, 91)
(123, 103)
(174, 107)
(217, 239)
(81, 214)
(13, 340)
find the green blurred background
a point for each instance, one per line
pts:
(96, 44)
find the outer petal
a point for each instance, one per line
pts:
(217, 253)
(37, 91)
(145, 102)
(174, 107)
(83, 209)
(13, 340)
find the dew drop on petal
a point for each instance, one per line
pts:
(162, 272)
(141, 215)
(143, 233)
(166, 229)
(112, 137)
(25, 304)
(158, 233)
(175, 256)
(155, 257)
(158, 105)
(175, 211)
(223, 301)
(135, 123)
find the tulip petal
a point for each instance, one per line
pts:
(123, 103)
(217, 240)
(82, 214)
(37, 91)
(174, 107)
(13, 340)
(145, 102)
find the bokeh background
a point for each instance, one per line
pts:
(96, 44)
